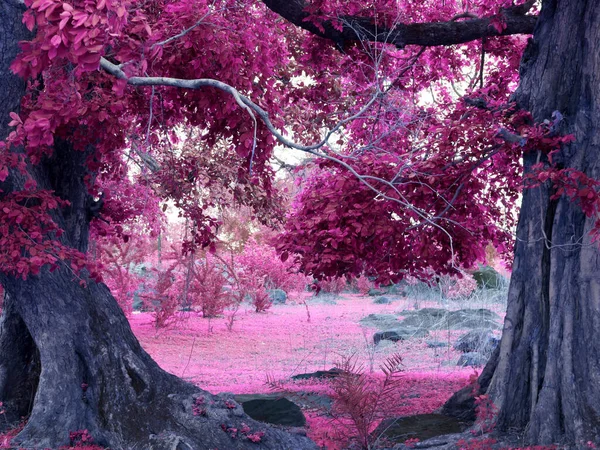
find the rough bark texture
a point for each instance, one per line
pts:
(95, 376)
(401, 35)
(546, 377)
(68, 358)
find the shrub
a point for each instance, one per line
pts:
(162, 297)
(363, 400)
(208, 287)
(255, 289)
(458, 286)
(332, 286)
(118, 261)
(262, 262)
(363, 285)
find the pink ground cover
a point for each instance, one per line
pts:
(283, 341)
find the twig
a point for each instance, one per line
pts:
(189, 358)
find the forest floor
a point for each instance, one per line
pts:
(305, 335)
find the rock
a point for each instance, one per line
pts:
(380, 321)
(473, 318)
(481, 341)
(436, 344)
(375, 292)
(272, 409)
(396, 289)
(278, 296)
(331, 373)
(382, 300)
(472, 359)
(430, 318)
(421, 427)
(138, 303)
(399, 334)
(439, 319)
(487, 278)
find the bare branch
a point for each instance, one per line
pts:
(315, 149)
(184, 32)
(244, 102)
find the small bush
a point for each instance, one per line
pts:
(332, 286)
(362, 400)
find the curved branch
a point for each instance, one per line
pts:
(425, 34)
(253, 109)
(244, 102)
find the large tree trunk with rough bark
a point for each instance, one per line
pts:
(545, 377)
(70, 362)
(68, 358)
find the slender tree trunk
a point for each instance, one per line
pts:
(545, 377)
(68, 358)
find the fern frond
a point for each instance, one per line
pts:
(391, 366)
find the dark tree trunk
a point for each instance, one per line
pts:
(95, 376)
(69, 360)
(545, 378)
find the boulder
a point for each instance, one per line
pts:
(278, 296)
(373, 292)
(436, 344)
(399, 334)
(439, 319)
(310, 400)
(331, 373)
(472, 359)
(421, 427)
(480, 340)
(382, 300)
(487, 278)
(273, 409)
(380, 321)
(430, 318)
(473, 318)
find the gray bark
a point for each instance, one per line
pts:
(546, 375)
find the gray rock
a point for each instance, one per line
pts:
(399, 334)
(272, 409)
(430, 318)
(375, 292)
(436, 344)
(421, 427)
(481, 341)
(382, 300)
(331, 373)
(278, 296)
(487, 278)
(380, 321)
(472, 359)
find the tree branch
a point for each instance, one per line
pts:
(244, 102)
(424, 34)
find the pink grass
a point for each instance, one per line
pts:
(282, 342)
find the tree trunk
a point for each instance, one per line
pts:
(95, 376)
(69, 360)
(545, 378)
